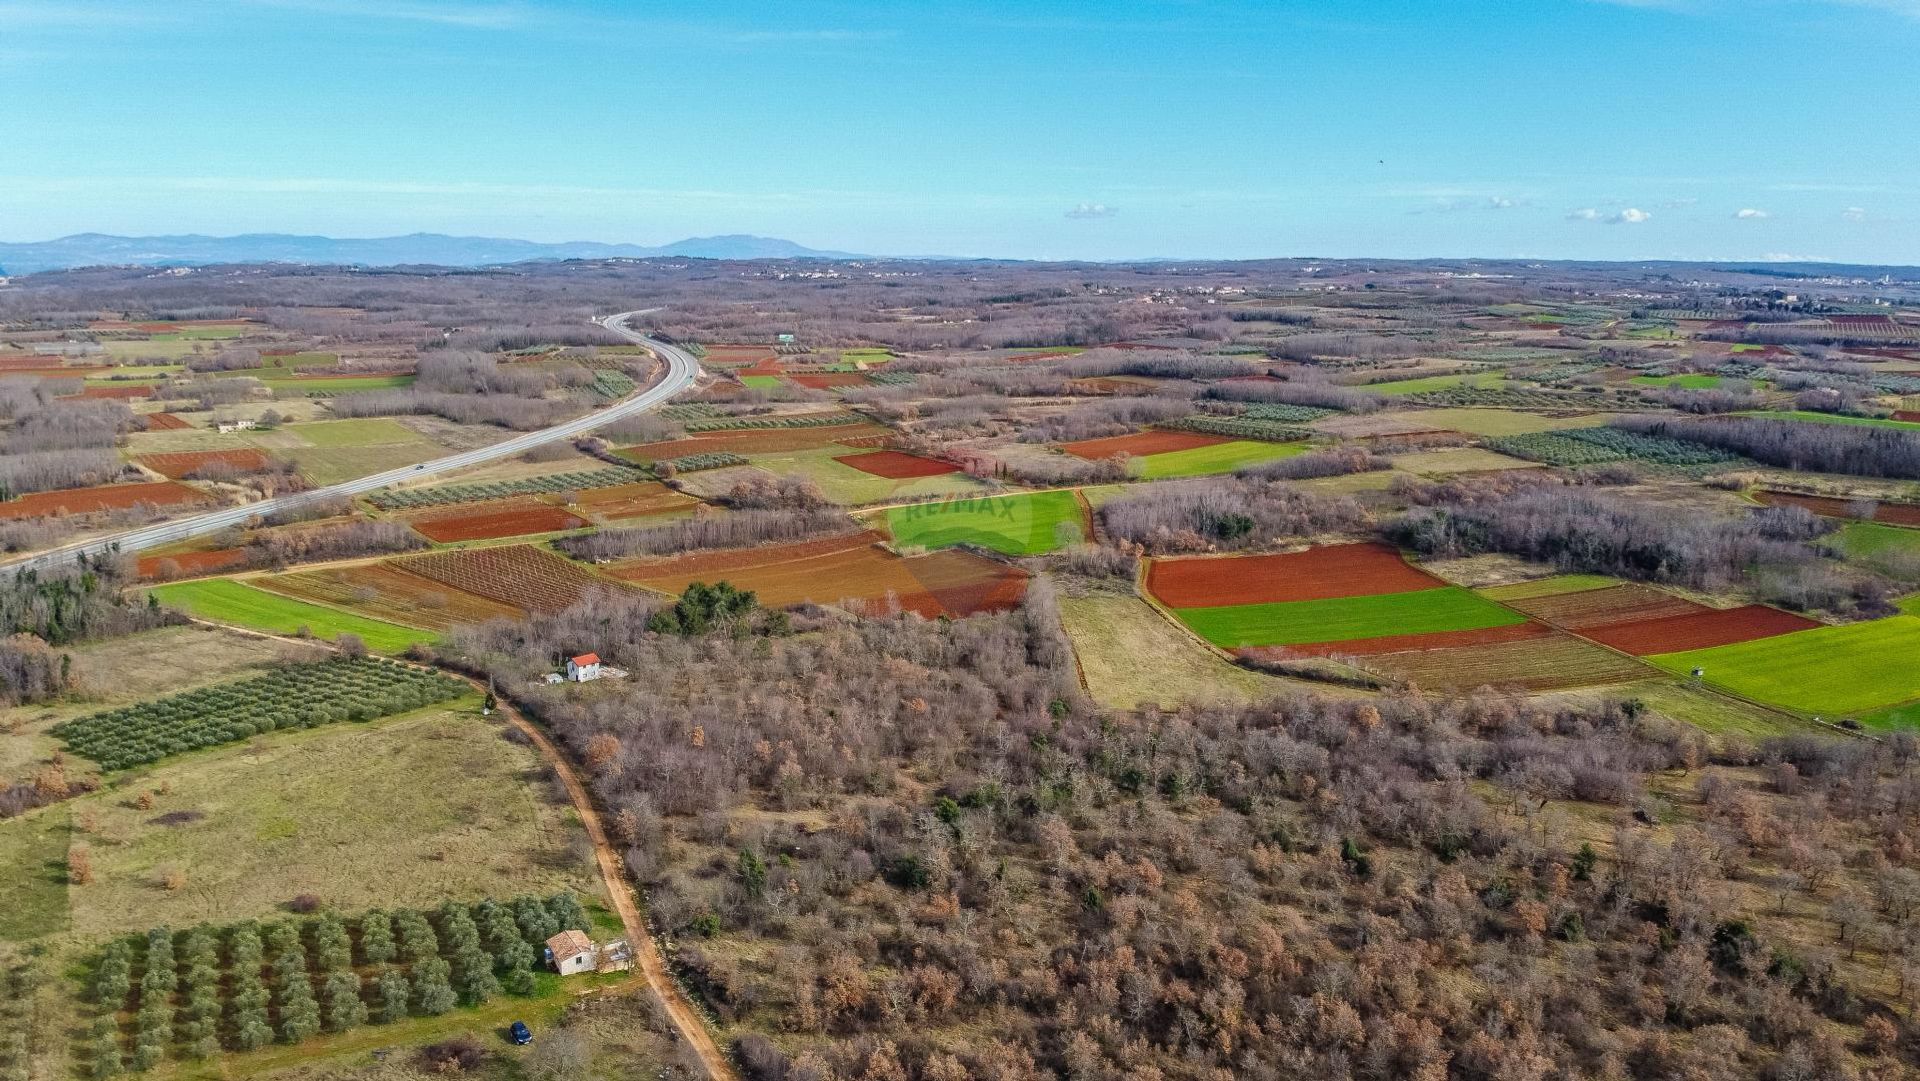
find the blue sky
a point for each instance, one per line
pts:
(1713, 129)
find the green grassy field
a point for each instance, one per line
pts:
(1713, 712)
(33, 873)
(1833, 671)
(134, 372)
(329, 386)
(1016, 524)
(1434, 382)
(1219, 458)
(1500, 421)
(1690, 381)
(222, 600)
(1889, 549)
(1426, 611)
(1549, 587)
(353, 433)
(1832, 418)
(760, 382)
(331, 465)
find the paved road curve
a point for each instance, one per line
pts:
(681, 369)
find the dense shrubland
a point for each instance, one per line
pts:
(1247, 511)
(1857, 450)
(738, 530)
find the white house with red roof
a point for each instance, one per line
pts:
(583, 668)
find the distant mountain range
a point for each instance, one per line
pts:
(100, 249)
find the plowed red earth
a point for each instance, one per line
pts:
(124, 390)
(190, 563)
(164, 493)
(895, 465)
(165, 422)
(1140, 444)
(183, 463)
(1401, 643)
(1890, 513)
(515, 518)
(1341, 570)
(1699, 630)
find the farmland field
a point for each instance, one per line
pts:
(1340, 619)
(1014, 524)
(1342, 570)
(1835, 418)
(1436, 382)
(847, 567)
(1690, 381)
(894, 465)
(177, 564)
(1140, 444)
(164, 493)
(186, 463)
(331, 465)
(752, 441)
(383, 592)
(1850, 669)
(519, 575)
(618, 502)
(1586, 609)
(1112, 633)
(1217, 458)
(352, 433)
(1714, 713)
(516, 517)
(1547, 587)
(221, 600)
(1899, 514)
(1544, 663)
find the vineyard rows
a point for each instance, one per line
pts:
(247, 985)
(803, 420)
(1240, 428)
(612, 383)
(520, 575)
(353, 689)
(415, 498)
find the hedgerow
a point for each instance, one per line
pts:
(802, 420)
(302, 696)
(1241, 428)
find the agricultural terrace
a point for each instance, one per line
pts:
(300, 696)
(1834, 671)
(221, 600)
(1017, 525)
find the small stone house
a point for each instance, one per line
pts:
(583, 668)
(571, 952)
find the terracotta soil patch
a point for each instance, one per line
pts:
(1700, 630)
(633, 500)
(1141, 444)
(503, 518)
(895, 465)
(1908, 415)
(850, 567)
(381, 591)
(1402, 643)
(1582, 612)
(829, 380)
(188, 564)
(738, 354)
(182, 463)
(165, 422)
(516, 575)
(122, 390)
(1828, 507)
(164, 493)
(753, 441)
(1341, 570)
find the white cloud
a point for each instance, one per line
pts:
(1584, 214)
(1087, 211)
(1790, 257)
(1501, 202)
(1632, 215)
(1854, 213)
(1750, 214)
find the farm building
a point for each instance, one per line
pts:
(571, 952)
(583, 668)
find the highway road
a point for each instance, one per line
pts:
(681, 370)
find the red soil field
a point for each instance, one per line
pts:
(829, 380)
(1582, 612)
(188, 564)
(753, 441)
(769, 366)
(1140, 444)
(1827, 507)
(124, 390)
(895, 465)
(1402, 643)
(846, 567)
(507, 518)
(633, 500)
(164, 493)
(1907, 415)
(739, 354)
(165, 422)
(1341, 570)
(181, 463)
(1699, 630)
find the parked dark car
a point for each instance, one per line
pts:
(520, 1033)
